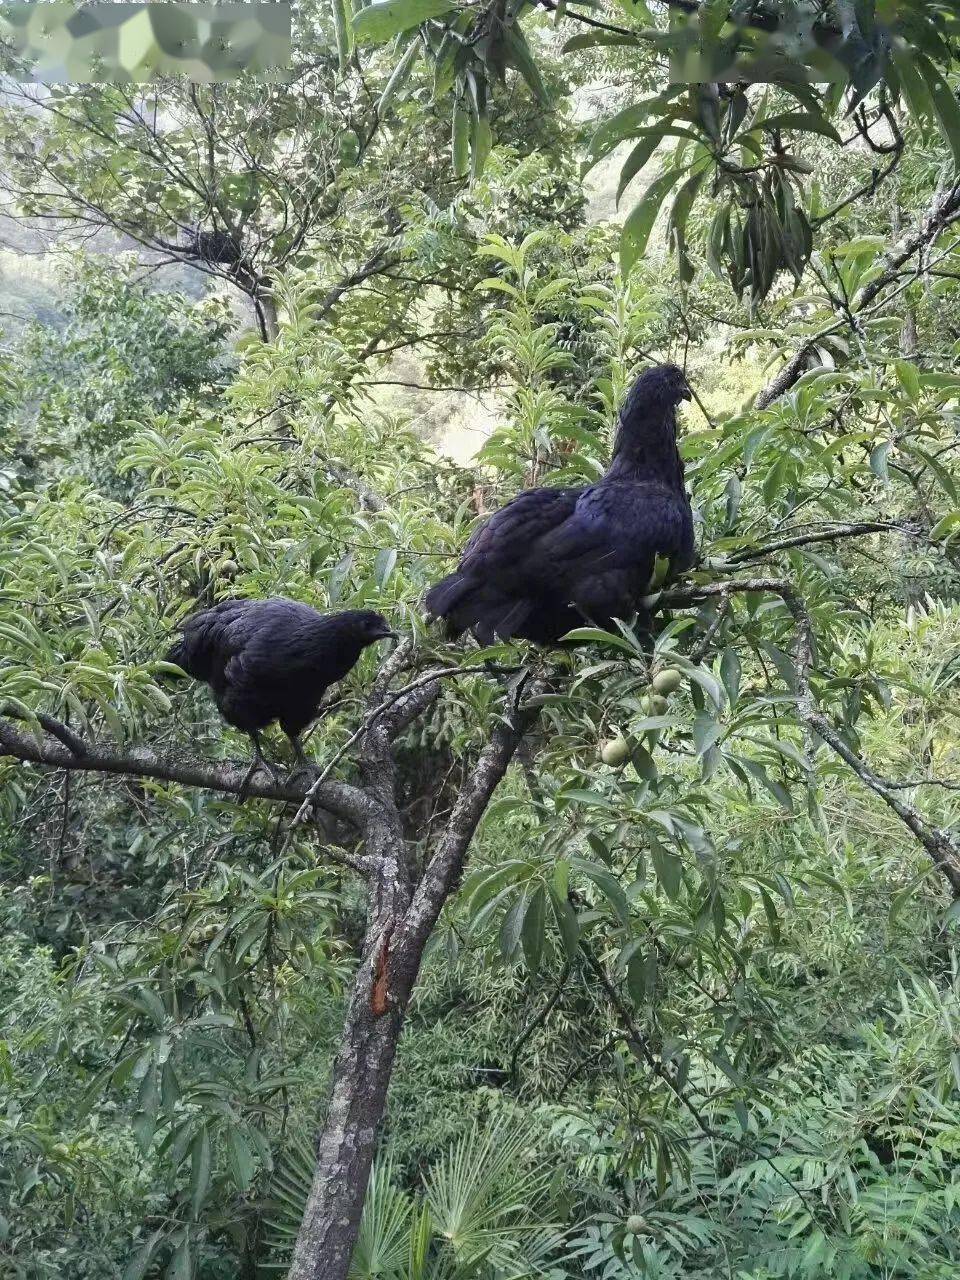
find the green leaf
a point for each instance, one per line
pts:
(642, 977)
(909, 378)
(947, 525)
(730, 673)
(398, 76)
(200, 1166)
(802, 121)
(518, 53)
(945, 106)
(770, 910)
(609, 886)
(240, 1157)
(637, 159)
(566, 923)
(136, 1268)
(511, 927)
(180, 1267)
(706, 730)
(878, 460)
(639, 225)
(913, 87)
(382, 21)
(669, 869)
(608, 638)
(461, 139)
(936, 466)
(481, 144)
(343, 30)
(628, 123)
(383, 565)
(533, 925)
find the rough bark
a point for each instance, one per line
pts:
(398, 928)
(347, 1142)
(359, 1084)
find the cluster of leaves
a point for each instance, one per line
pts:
(123, 352)
(736, 140)
(715, 984)
(482, 1211)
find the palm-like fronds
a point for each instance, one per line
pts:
(383, 1244)
(480, 1216)
(483, 1195)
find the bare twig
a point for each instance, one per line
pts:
(538, 1020)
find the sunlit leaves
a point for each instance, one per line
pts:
(380, 21)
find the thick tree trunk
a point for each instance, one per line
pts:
(361, 1072)
(401, 918)
(347, 1143)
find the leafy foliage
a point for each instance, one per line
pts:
(694, 1009)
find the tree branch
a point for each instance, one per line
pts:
(342, 800)
(538, 1020)
(942, 212)
(446, 866)
(72, 741)
(939, 844)
(834, 534)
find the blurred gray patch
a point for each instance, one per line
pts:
(803, 42)
(64, 43)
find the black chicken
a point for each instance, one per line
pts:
(555, 559)
(269, 660)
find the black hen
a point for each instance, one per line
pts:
(269, 660)
(555, 559)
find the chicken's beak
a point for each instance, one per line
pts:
(686, 393)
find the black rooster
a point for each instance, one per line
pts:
(554, 559)
(269, 660)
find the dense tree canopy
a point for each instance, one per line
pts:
(634, 960)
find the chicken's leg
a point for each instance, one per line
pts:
(258, 762)
(304, 764)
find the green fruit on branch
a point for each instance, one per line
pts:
(615, 751)
(667, 681)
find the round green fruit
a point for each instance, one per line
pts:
(615, 751)
(667, 681)
(635, 1224)
(659, 706)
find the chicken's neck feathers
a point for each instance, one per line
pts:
(647, 450)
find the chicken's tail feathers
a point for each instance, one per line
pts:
(466, 604)
(444, 600)
(444, 595)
